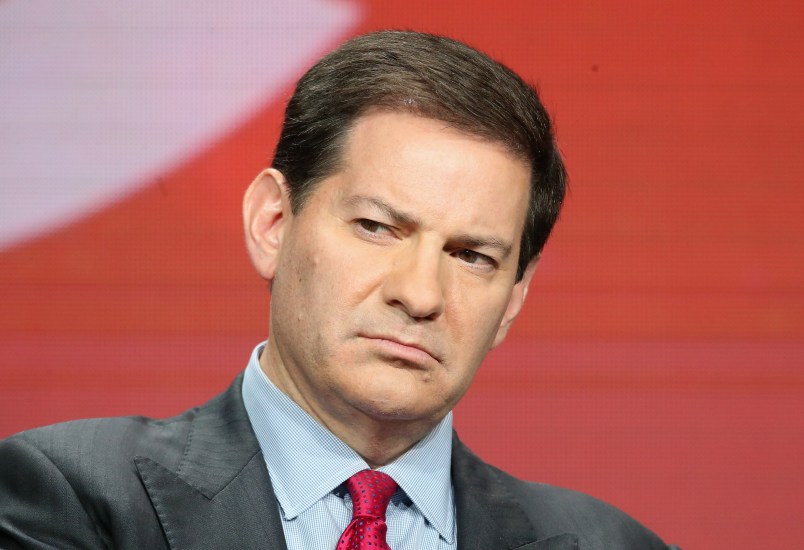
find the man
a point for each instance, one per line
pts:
(413, 187)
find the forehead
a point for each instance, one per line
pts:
(444, 176)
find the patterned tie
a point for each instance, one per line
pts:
(371, 492)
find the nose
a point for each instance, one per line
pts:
(415, 283)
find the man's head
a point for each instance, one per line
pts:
(410, 174)
(430, 76)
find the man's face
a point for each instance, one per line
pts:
(393, 281)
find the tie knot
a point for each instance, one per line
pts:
(371, 492)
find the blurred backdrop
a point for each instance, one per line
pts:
(659, 364)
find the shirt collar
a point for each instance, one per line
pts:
(306, 461)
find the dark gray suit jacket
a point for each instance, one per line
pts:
(199, 480)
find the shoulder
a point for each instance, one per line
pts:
(76, 481)
(551, 510)
(597, 523)
(108, 443)
(89, 455)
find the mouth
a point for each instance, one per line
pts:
(409, 352)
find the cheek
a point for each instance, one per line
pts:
(475, 311)
(473, 326)
(295, 296)
(330, 280)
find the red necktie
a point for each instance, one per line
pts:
(371, 492)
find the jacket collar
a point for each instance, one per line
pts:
(220, 496)
(489, 514)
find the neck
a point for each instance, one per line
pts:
(378, 440)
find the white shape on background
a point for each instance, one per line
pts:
(98, 98)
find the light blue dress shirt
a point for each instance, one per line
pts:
(308, 465)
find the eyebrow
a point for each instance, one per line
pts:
(398, 217)
(472, 241)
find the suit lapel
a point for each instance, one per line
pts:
(489, 514)
(220, 496)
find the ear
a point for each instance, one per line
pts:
(266, 211)
(515, 303)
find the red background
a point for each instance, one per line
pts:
(659, 362)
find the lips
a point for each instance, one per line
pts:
(409, 351)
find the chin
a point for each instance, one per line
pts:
(392, 403)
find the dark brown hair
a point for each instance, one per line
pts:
(431, 76)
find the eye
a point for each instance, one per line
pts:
(475, 258)
(372, 227)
